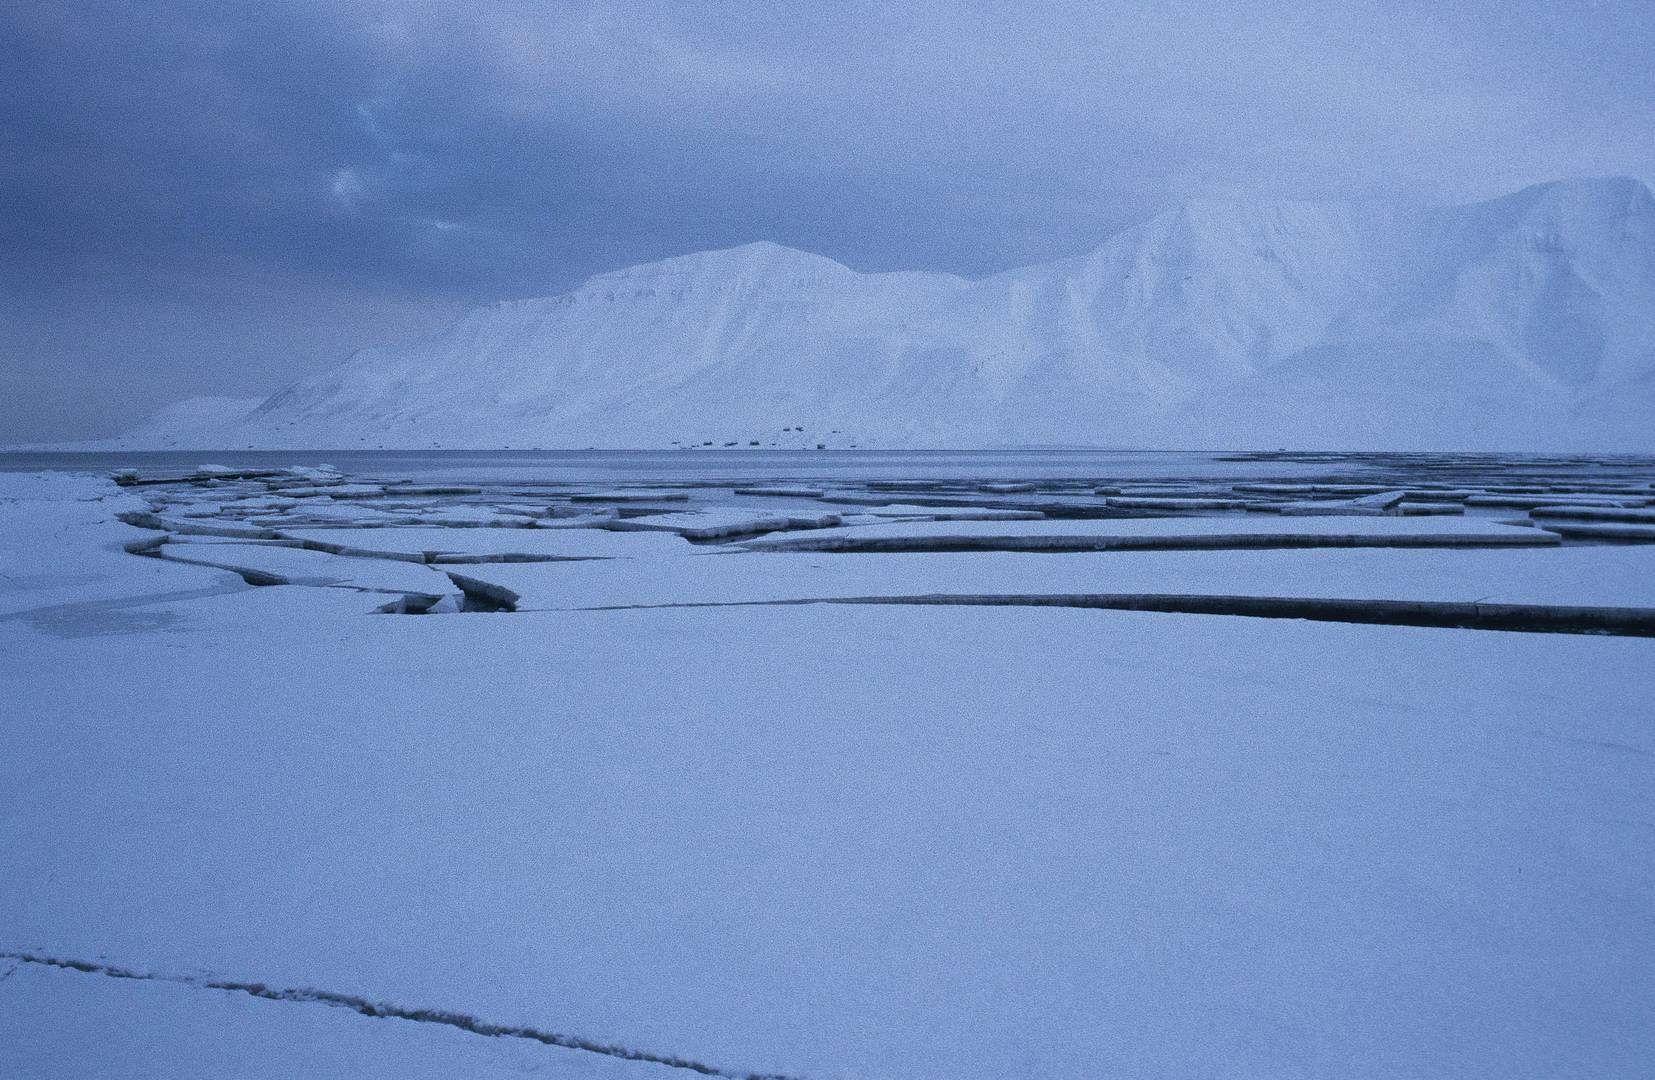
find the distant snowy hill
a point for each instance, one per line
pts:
(1526, 322)
(192, 414)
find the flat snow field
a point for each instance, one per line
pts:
(816, 841)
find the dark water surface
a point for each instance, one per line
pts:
(624, 465)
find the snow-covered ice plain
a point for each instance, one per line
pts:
(828, 765)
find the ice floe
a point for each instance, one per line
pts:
(1628, 514)
(1600, 530)
(628, 495)
(707, 524)
(1619, 576)
(780, 491)
(1146, 502)
(443, 545)
(1528, 502)
(953, 513)
(1149, 533)
(271, 564)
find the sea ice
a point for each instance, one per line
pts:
(1175, 532)
(702, 524)
(278, 565)
(1130, 502)
(628, 495)
(689, 831)
(1600, 530)
(953, 513)
(780, 491)
(445, 545)
(1630, 515)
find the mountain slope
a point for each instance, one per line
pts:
(1523, 322)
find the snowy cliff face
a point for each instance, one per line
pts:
(1524, 322)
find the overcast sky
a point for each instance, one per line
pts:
(215, 198)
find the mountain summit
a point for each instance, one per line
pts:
(1524, 322)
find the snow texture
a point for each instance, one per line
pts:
(841, 842)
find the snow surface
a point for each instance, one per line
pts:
(831, 842)
(60, 547)
(1522, 322)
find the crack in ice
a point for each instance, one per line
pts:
(378, 1009)
(1520, 618)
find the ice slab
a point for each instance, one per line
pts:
(1600, 530)
(1529, 502)
(449, 545)
(930, 500)
(707, 524)
(144, 519)
(1630, 515)
(1442, 494)
(905, 485)
(464, 516)
(253, 503)
(325, 511)
(1327, 508)
(1178, 532)
(809, 519)
(781, 491)
(1350, 489)
(330, 491)
(1140, 502)
(1275, 489)
(1379, 503)
(277, 565)
(1176, 491)
(953, 513)
(404, 490)
(1597, 576)
(628, 495)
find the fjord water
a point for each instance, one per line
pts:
(583, 465)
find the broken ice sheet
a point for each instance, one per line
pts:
(703, 524)
(1170, 532)
(1575, 576)
(421, 543)
(952, 513)
(289, 565)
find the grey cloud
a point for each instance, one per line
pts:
(380, 163)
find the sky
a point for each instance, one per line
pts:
(220, 197)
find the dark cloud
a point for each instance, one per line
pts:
(212, 198)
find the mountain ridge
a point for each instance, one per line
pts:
(1526, 321)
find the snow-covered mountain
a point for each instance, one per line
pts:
(1526, 322)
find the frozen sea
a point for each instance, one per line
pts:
(840, 764)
